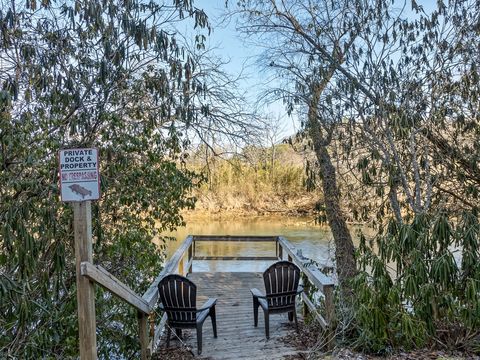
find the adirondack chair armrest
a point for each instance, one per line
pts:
(208, 304)
(256, 293)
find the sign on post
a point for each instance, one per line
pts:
(79, 176)
(80, 183)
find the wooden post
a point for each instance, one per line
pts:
(193, 244)
(190, 259)
(82, 218)
(330, 315)
(329, 305)
(151, 321)
(143, 333)
(306, 290)
(181, 266)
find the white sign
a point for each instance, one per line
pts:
(79, 176)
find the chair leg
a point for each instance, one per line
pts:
(169, 333)
(179, 333)
(296, 320)
(255, 311)
(199, 338)
(290, 316)
(213, 317)
(267, 324)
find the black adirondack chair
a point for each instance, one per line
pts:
(281, 287)
(178, 296)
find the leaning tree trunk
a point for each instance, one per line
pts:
(344, 249)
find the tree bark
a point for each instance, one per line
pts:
(395, 205)
(344, 249)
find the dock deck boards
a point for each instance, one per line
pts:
(237, 337)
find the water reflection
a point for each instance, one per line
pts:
(233, 248)
(312, 239)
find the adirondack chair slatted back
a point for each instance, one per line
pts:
(178, 296)
(281, 283)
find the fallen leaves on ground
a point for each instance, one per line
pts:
(172, 353)
(178, 349)
(310, 338)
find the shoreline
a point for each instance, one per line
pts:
(244, 214)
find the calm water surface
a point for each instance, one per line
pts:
(311, 239)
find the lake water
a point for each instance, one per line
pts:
(313, 240)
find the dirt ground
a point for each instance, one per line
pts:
(306, 341)
(342, 354)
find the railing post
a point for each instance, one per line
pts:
(143, 334)
(330, 314)
(181, 266)
(306, 290)
(151, 320)
(280, 251)
(194, 245)
(329, 304)
(190, 256)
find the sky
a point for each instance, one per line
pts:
(241, 56)
(224, 36)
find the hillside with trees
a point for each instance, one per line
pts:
(258, 181)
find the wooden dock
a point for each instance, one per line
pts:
(237, 337)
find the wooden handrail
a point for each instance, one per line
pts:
(322, 282)
(151, 295)
(319, 279)
(234, 238)
(145, 304)
(239, 238)
(174, 265)
(239, 258)
(108, 281)
(283, 247)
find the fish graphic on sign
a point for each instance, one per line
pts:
(80, 190)
(79, 174)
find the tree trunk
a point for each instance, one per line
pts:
(395, 205)
(344, 249)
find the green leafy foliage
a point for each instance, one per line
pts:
(419, 285)
(392, 98)
(77, 74)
